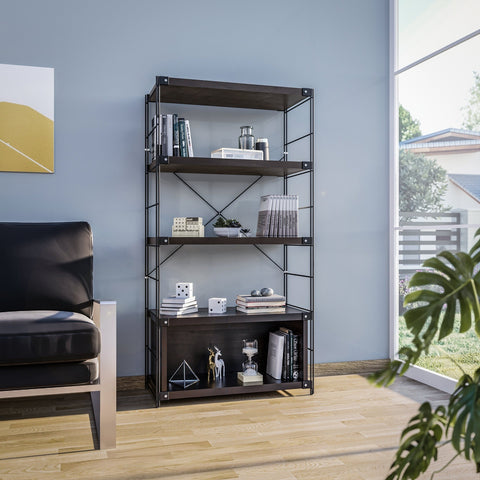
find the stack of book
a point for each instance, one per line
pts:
(271, 304)
(175, 136)
(283, 360)
(175, 306)
(278, 216)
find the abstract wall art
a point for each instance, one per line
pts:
(26, 119)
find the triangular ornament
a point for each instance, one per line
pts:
(184, 376)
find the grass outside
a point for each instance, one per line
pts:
(449, 356)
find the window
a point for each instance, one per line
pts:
(435, 151)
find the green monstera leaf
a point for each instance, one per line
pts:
(419, 443)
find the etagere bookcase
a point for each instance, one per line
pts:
(169, 339)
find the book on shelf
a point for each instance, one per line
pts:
(179, 301)
(273, 299)
(278, 216)
(247, 301)
(292, 360)
(276, 343)
(188, 136)
(257, 310)
(177, 313)
(182, 137)
(176, 140)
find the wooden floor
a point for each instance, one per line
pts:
(348, 430)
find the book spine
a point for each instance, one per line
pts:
(169, 134)
(296, 358)
(182, 137)
(176, 140)
(163, 147)
(188, 135)
(264, 213)
(295, 216)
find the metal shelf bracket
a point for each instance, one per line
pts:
(162, 80)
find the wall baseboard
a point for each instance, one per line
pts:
(137, 382)
(347, 368)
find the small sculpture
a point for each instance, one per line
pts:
(211, 365)
(264, 292)
(219, 364)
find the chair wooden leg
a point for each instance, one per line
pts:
(104, 401)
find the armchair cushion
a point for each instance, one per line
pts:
(46, 336)
(48, 375)
(46, 266)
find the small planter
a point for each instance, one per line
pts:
(227, 231)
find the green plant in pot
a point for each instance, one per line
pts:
(227, 227)
(450, 288)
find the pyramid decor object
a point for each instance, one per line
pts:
(184, 376)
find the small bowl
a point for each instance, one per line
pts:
(226, 232)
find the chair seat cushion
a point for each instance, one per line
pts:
(46, 336)
(48, 375)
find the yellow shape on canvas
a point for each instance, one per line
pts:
(26, 139)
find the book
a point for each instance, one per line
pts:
(296, 360)
(276, 344)
(259, 304)
(169, 134)
(264, 214)
(163, 136)
(182, 137)
(188, 135)
(262, 300)
(289, 340)
(256, 310)
(274, 216)
(176, 140)
(177, 300)
(177, 313)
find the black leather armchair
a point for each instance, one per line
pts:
(54, 338)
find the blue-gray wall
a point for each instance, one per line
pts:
(106, 54)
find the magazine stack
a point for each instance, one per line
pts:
(278, 216)
(271, 304)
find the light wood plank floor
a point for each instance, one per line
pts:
(348, 430)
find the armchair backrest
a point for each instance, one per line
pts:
(46, 266)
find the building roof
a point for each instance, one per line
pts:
(450, 140)
(470, 184)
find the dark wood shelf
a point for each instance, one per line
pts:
(227, 386)
(229, 166)
(226, 94)
(202, 317)
(157, 241)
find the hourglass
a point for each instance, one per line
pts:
(249, 374)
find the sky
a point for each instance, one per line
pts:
(32, 86)
(435, 91)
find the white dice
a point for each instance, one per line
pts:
(184, 290)
(217, 305)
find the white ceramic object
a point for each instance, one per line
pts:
(226, 232)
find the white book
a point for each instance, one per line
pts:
(173, 306)
(169, 134)
(188, 134)
(295, 217)
(264, 214)
(276, 344)
(174, 299)
(177, 313)
(257, 310)
(272, 230)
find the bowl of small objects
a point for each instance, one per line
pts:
(227, 228)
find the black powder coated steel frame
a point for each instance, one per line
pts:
(155, 376)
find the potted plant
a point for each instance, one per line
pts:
(449, 290)
(227, 227)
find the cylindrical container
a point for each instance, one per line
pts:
(246, 140)
(262, 144)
